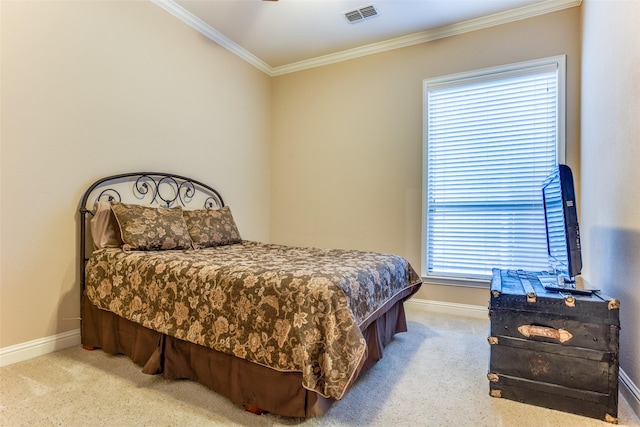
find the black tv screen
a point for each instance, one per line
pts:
(561, 218)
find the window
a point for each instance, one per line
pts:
(490, 139)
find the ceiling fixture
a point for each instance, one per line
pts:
(361, 14)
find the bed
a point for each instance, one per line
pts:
(167, 280)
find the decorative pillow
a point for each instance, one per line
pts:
(151, 228)
(212, 227)
(105, 230)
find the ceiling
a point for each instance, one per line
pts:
(288, 35)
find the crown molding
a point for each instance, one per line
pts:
(513, 15)
(211, 33)
(525, 12)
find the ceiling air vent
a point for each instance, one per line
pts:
(360, 14)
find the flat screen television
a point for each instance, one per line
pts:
(561, 219)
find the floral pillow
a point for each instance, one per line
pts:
(151, 228)
(212, 227)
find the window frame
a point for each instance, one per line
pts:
(491, 73)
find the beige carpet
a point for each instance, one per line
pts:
(434, 375)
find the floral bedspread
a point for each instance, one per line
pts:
(288, 308)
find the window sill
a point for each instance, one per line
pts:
(467, 282)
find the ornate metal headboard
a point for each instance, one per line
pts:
(150, 188)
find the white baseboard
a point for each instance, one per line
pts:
(630, 391)
(28, 350)
(466, 310)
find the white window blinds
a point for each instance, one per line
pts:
(490, 140)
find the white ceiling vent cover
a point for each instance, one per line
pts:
(360, 14)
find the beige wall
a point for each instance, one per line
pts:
(347, 138)
(97, 88)
(610, 209)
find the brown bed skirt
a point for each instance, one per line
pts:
(242, 381)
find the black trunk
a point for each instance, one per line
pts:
(551, 349)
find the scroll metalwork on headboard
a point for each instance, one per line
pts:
(144, 188)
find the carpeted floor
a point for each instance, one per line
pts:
(434, 375)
